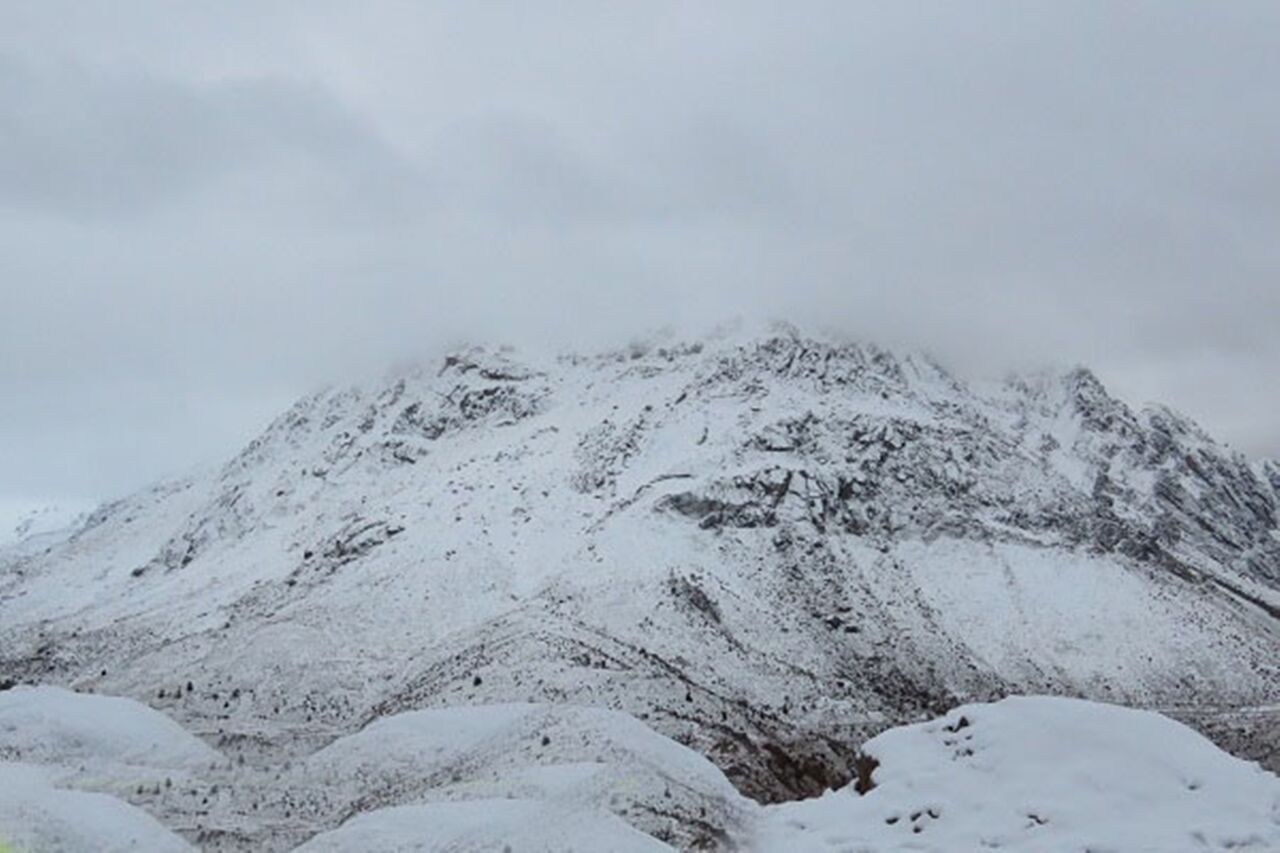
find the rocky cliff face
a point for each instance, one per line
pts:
(766, 547)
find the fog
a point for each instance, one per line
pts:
(206, 211)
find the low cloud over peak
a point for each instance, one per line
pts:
(205, 212)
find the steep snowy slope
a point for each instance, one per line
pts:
(765, 547)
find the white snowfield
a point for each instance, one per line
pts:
(1021, 774)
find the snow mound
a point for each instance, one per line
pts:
(50, 725)
(1041, 773)
(76, 770)
(34, 815)
(584, 763)
(525, 825)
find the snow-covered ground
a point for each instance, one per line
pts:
(1024, 773)
(1041, 774)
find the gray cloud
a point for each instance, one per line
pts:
(204, 211)
(109, 145)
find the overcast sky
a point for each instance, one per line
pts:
(207, 209)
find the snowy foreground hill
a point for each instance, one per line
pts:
(763, 548)
(1025, 773)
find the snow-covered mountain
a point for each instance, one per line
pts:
(764, 547)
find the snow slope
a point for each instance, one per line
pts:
(766, 547)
